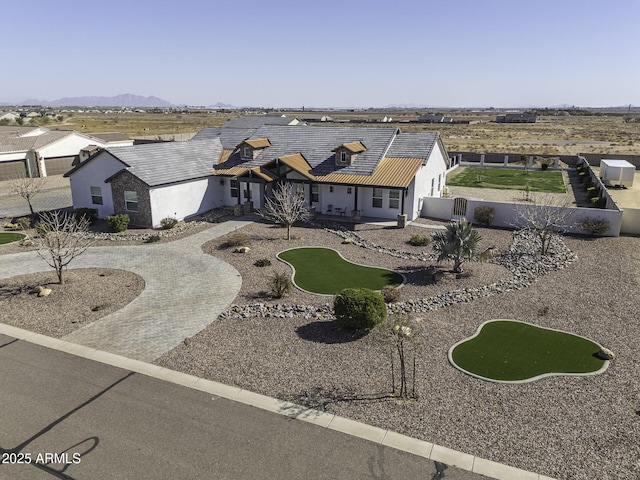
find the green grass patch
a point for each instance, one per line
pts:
(549, 181)
(510, 351)
(324, 271)
(9, 237)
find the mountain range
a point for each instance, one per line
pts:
(123, 100)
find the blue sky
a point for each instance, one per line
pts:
(330, 53)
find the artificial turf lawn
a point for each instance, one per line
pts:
(322, 270)
(508, 350)
(8, 237)
(549, 181)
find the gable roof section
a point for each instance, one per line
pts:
(257, 142)
(163, 163)
(353, 147)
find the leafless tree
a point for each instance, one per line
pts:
(27, 187)
(544, 216)
(285, 207)
(62, 237)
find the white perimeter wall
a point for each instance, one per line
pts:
(505, 214)
(184, 199)
(630, 221)
(93, 174)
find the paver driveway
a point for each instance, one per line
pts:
(185, 290)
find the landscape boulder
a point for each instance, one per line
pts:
(606, 354)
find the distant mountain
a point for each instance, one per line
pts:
(221, 105)
(123, 100)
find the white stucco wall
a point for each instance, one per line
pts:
(68, 146)
(93, 174)
(184, 199)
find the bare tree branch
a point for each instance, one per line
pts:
(63, 237)
(285, 207)
(27, 187)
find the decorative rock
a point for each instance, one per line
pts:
(37, 289)
(241, 250)
(606, 354)
(27, 243)
(44, 292)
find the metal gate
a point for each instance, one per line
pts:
(459, 207)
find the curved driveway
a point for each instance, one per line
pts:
(185, 290)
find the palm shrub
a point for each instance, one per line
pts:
(458, 243)
(359, 308)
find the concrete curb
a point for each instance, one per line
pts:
(387, 438)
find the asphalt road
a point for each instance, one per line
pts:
(116, 424)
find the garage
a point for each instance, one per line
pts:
(12, 168)
(60, 165)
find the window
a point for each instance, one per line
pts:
(233, 185)
(130, 201)
(377, 198)
(439, 182)
(315, 195)
(433, 182)
(343, 157)
(330, 188)
(394, 199)
(349, 190)
(96, 195)
(299, 189)
(246, 152)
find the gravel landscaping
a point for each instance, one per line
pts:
(87, 295)
(563, 427)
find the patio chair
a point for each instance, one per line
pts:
(329, 209)
(343, 212)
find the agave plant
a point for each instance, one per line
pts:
(457, 243)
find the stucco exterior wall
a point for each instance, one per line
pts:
(184, 199)
(93, 174)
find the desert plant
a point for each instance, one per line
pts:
(546, 218)
(279, 284)
(23, 222)
(42, 228)
(118, 223)
(168, 223)
(27, 188)
(152, 239)
(359, 308)
(457, 243)
(483, 215)
(403, 331)
(595, 226)
(262, 262)
(237, 239)
(91, 214)
(390, 294)
(419, 240)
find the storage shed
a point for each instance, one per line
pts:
(617, 172)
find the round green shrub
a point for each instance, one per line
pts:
(118, 223)
(359, 308)
(419, 241)
(262, 262)
(168, 223)
(390, 294)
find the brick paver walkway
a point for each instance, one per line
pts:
(185, 290)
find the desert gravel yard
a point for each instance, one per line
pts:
(563, 427)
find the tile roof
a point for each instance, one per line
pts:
(258, 142)
(162, 163)
(353, 147)
(257, 121)
(22, 139)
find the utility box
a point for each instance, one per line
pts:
(617, 172)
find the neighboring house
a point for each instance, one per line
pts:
(434, 119)
(256, 121)
(9, 116)
(516, 118)
(375, 172)
(40, 151)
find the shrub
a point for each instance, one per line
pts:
(390, 294)
(595, 226)
(118, 223)
(280, 284)
(483, 215)
(152, 239)
(583, 176)
(263, 262)
(359, 308)
(42, 229)
(168, 223)
(91, 214)
(419, 240)
(23, 223)
(237, 240)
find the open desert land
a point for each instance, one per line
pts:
(552, 135)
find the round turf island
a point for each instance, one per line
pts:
(513, 351)
(323, 271)
(10, 237)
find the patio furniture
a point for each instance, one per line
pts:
(329, 209)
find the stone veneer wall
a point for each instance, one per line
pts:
(126, 181)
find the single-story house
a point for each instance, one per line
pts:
(516, 118)
(40, 151)
(359, 171)
(9, 116)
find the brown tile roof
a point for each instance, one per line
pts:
(257, 142)
(353, 147)
(224, 156)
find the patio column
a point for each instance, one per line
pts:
(506, 160)
(482, 160)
